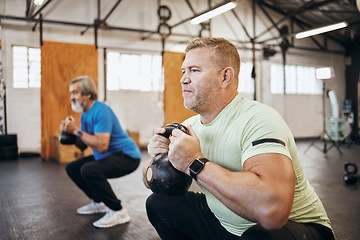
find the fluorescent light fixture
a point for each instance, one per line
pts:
(38, 2)
(212, 13)
(324, 73)
(321, 30)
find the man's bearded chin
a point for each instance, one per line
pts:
(76, 107)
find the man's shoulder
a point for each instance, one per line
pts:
(101, 106)
(191, 120)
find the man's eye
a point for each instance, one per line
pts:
(194, 70)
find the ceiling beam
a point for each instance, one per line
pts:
(111, 11)
(300, 22)
(307, 6)
(42, 7)
(30, 8)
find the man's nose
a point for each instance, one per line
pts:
(184, 79)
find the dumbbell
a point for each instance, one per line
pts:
(350, 176)
(67, 138)
(161, 176)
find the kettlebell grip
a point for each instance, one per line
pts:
(161, 176)
(67, 138)
(171, 126)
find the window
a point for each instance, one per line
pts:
(246, 83)
(299, 80)
(134, 72)
(26, 67)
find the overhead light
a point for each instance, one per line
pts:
(38, 2)
(212, 13)
(321, 30)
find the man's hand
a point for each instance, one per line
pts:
(184, 149)
(71, 126)
(158, 143)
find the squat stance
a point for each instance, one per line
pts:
(115, 154)
(243, 156)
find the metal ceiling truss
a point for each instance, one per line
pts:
(292, 18)
(263, 5)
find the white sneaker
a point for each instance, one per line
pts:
(112, 218)
(93, 207)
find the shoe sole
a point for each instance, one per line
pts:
(89, 213)
(113, 225)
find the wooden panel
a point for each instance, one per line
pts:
(135, 136)
(60, 63)
(173, 100)
(68, 153)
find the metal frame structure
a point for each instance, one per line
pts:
(266, 6)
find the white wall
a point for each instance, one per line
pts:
(140, 111)
(304, 113)
(23, 105)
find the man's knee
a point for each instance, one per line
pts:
(151, 204)
(89, 170)
(70, 168)
(159, 205)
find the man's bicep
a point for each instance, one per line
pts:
(103, 137)
(271, 166)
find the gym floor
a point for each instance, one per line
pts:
(38, 200)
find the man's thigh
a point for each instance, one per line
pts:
(291, 231)
(187, 216)
(113, 166)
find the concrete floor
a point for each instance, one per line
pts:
(38, 201)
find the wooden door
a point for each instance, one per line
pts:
(173, 100)
(60, 63)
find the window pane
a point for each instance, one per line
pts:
(134, 72)
(246, 83)
(130, 71)
(157, 74)
(277, 79)
(145, 72)
(34, 67)
(26, 67)
(290, 75)
(299, 80)
(112, 74)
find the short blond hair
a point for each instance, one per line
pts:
(225, 53)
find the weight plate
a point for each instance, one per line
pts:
(8, 140)
(9, 152)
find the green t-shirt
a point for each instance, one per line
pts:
(230, 139)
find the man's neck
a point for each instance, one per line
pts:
(209, 116)
(89, 105)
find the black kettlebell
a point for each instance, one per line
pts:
(350, 176)
(67, 138)
(161, 175)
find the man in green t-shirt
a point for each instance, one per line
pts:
(243, 156)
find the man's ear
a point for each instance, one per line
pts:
(227, 77)
(88, 96)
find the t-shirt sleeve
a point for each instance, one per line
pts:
(265, 132)
(103, 123)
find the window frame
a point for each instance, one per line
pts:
(296, 87)
(156, 77)
(29, 83)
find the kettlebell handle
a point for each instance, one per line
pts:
(171, 126)
(353, 165)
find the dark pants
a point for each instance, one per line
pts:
(189, 217)
(91, 176)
